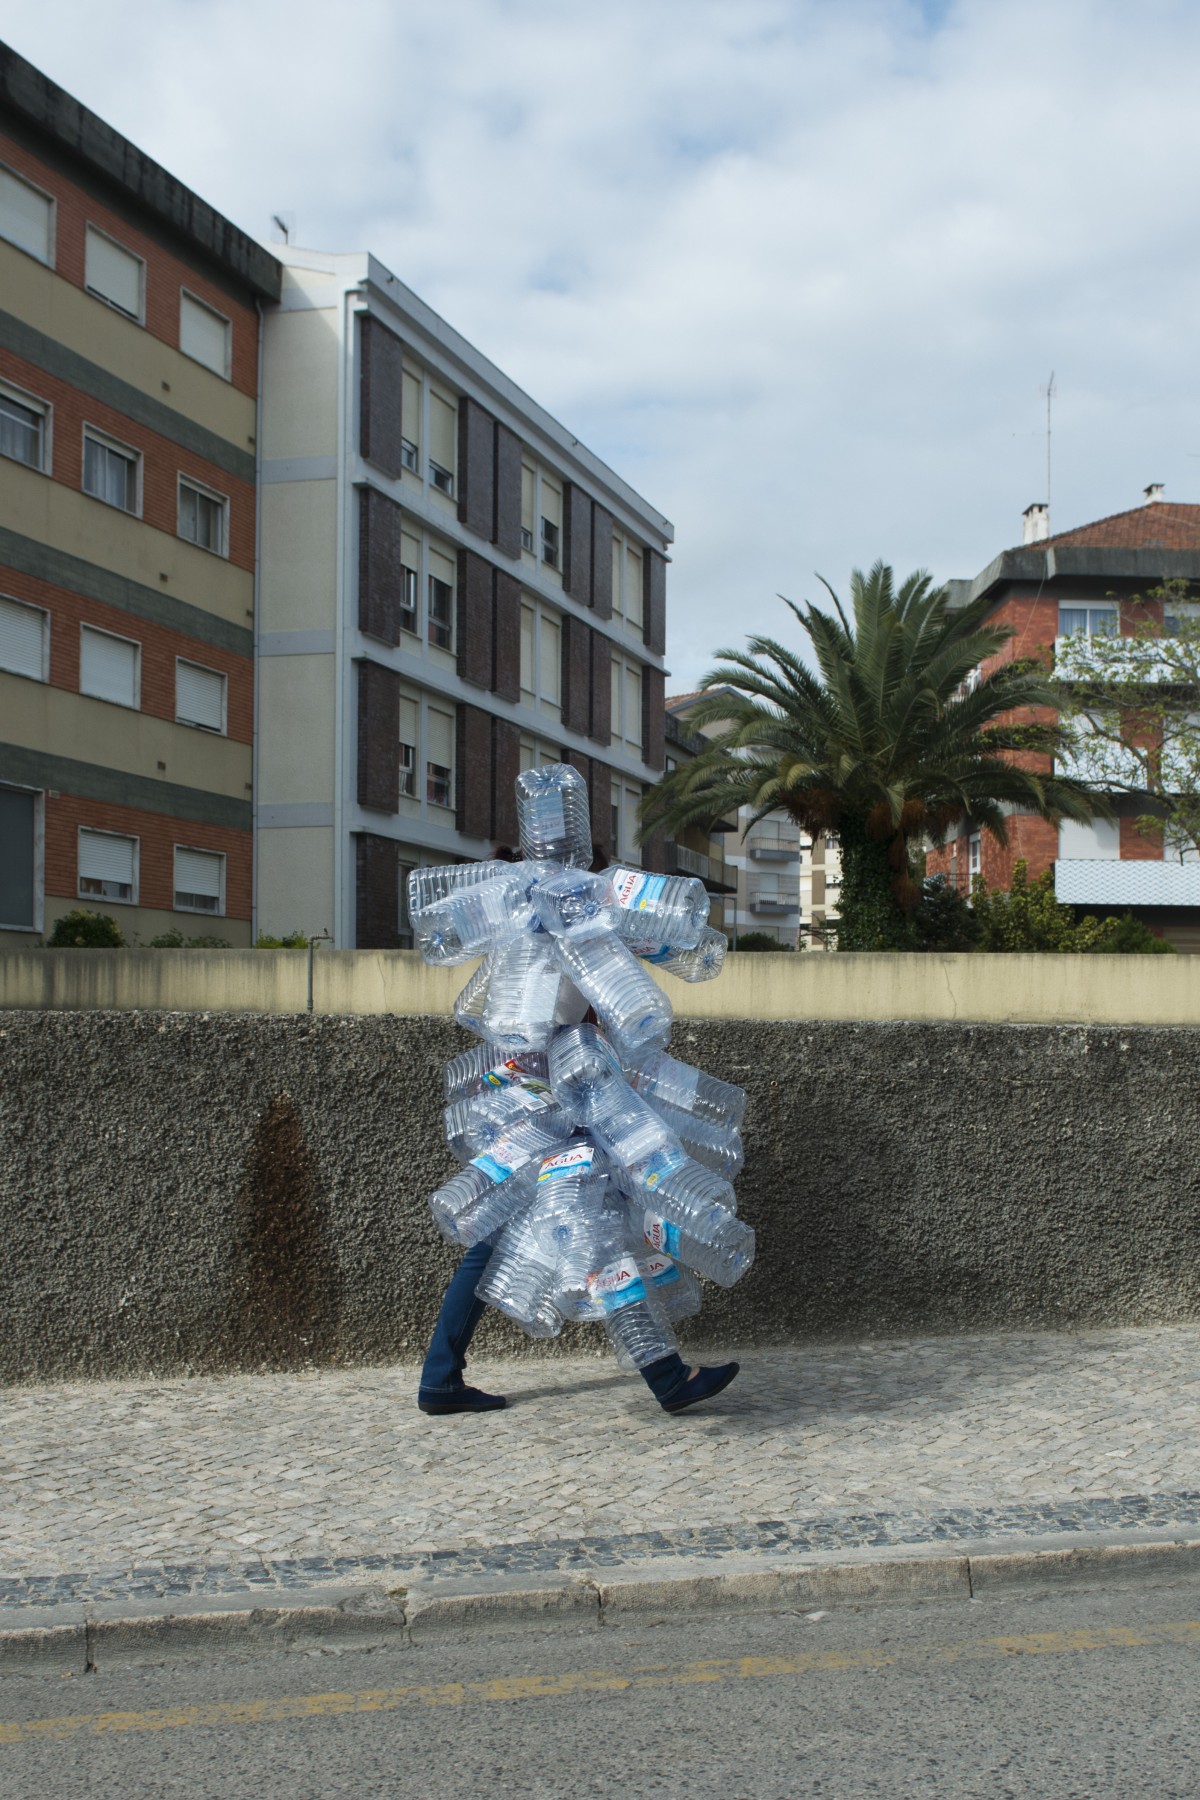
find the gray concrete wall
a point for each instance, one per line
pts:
(184, 1192)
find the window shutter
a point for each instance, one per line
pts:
(550, 648)
(439, 736)
(18, 818)
(635, 724)
(442, 432)
(506, 638)
(654, 618)
(600, 728)
(474, 637)
(114, 273)
(506, 528)
(577, 544)
(198, 872)
(106, 858)
(199, 697)
(378, 737)
(473, 791)
(23, 639)
(204, 334)
(25, 216)
(381, 367)
(602, 560)
(380, 556)
(108, 667)
(476, 467)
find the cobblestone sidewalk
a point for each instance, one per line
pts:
(250, 1478)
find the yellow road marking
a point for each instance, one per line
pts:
(507, 1689)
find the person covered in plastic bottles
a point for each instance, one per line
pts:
(561, 944)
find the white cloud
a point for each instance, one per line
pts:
(797, 269)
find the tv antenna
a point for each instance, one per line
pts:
(1048, 391)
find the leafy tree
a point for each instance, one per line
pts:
(1130, 704)
(943, 918)
(1029, 919)
(893, 739)
(84, 930)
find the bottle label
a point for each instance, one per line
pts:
(616, 1285)
(636, 891)
(658, 1269)
(575, 1161)
(651, 1172)
(495, 1171)
(653, 953)
(660, 1234)
(511, 1074)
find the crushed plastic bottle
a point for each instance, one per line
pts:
(659, 909)
(491, 1065)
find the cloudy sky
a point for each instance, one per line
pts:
(798, 269)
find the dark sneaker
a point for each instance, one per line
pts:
(463, 1399)
(702, 1386)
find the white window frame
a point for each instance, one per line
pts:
(39, 856)
(226, 374)
(99, 631)
(975, 854)
(221, 730)
(12, 600)
(432, 622)
(21, 397)
(205, 492)
(108, 442)
(446, 805)
(49, 261)
(408, 771)
(206, 912)
(1108, 608)
(138, 318)
(410, 587)
(126, 837)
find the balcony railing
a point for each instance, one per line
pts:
(774, 903)
(773, 849)
(710, 869)
(1118, 659)
(1109, 882)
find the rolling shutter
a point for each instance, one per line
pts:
(199, 696)
(23, 639)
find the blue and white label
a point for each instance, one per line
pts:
(495, 1171)
(660, 1234)
(575, 1161)
(617, 1284)
(636, 891)
(651, 1172)
(658, 1269)
(511, 1074)
(653, 953)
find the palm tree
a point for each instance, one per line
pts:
(894, 739)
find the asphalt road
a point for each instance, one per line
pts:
(1077, 1698)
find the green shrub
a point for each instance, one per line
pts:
(1030, 918)
(759, 940)
(175, 940)
(83, 930)
(293, 940)
(1128, 936)
(942, 917)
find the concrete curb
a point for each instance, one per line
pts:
(80, 1637)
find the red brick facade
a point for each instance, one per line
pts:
(157, 835)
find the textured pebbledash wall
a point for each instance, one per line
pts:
(189, 1192)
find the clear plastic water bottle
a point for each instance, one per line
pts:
(464, 923)
(685, 1217)
(553, 816)
(476, 1124)
(571, 1217)
(575, 904)
(702, 963)
(469, 1007)
(633, 1010)
(717, 1147)
(664, 1077)
(520, 1279)
(425, 886)
(634, 1322)
(674, 1288)
(498, 1182)
(659, 909)
(585, 1073)
(491, 1065)
(523, 993)
(637, 1142)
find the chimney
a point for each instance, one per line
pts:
(1037, 523)
(1153, 492)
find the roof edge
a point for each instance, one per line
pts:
(1043, 563)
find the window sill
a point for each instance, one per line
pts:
(34, 469)
(223, 555)
(112, 505)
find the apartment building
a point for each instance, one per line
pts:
(698, 851)
(453, 589)
(1079, 584)
(129, 339)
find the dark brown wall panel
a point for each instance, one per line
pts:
(506, 528)
(576, 669)
(476, 467)
(654, 602)
(577, 544)
(654, 717)
(376, 893)
(380, 582)
(378, 737)
(602, 556)
(506, 766)
(600, 725)
(473, 799)
(506, 638)
(381, 360)
(600, 800)
(474, 635)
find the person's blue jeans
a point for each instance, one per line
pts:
(461, 1312)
